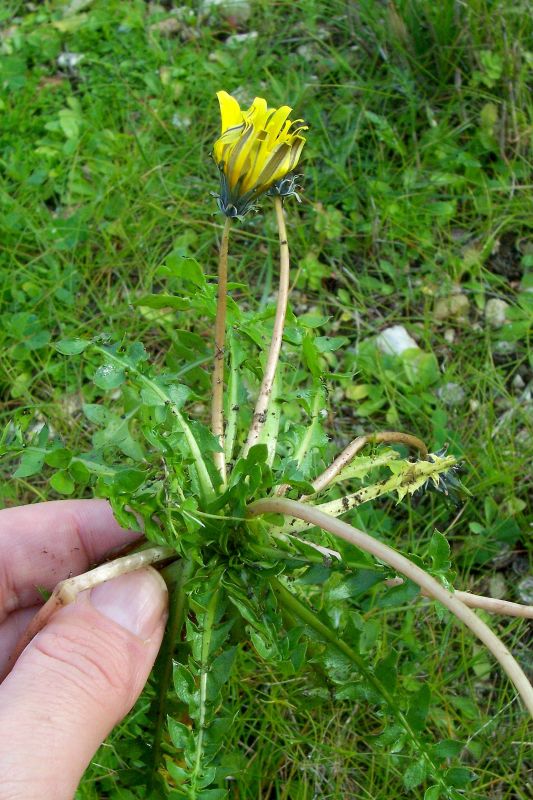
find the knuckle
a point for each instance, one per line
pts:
(94, 663)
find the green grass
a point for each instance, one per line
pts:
(417, 177)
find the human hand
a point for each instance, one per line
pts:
(84, 671)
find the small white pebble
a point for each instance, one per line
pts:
(241, 38)
(451, 394)
(69, 60)
(395, 340)
(449, 335)
(496, 312)
(181, 121)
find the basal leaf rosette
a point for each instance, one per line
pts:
(256, 150)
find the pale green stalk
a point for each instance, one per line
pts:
(207, 635)
(270, 430)
(203, 473)
(232, 406)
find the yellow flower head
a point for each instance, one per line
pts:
(256, 149)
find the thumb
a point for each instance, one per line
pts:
(75, 681)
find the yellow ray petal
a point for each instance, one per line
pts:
(238, 163)
(225, 143)
(277, 123)
(258, 147)
(276, 166)
(258, 113)
(296, 151)
(230, 111)
(257, 159)
(290, 161)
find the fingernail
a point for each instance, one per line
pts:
(137, 601)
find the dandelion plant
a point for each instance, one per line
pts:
(239, 513)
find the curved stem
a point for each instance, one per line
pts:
(490, 604)
(495, 606)
(279, 505)
(263, 399)
(67, 591)
(349, 453)
(217, 405)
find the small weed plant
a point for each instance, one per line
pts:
(244, 516)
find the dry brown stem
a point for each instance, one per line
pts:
(217, 405)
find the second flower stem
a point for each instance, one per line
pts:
(263, 399)
(217, 407)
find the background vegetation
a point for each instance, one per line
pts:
(416, 211)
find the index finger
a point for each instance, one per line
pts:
(44, 543)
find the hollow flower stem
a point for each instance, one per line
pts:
(217, 405)
(430, 586)
(263, 399)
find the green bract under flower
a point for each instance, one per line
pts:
(257, 148)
